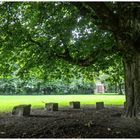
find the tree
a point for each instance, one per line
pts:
(123, 20)
(41, 34)
(113, 77)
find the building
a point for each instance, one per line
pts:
(99, 88)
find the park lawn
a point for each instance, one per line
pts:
(37, 101)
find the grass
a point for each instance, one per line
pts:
(7, 102)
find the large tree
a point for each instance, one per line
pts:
(40, 34)
(123, 20)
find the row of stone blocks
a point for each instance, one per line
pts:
(54, 106)
(24, 110)
(73, 105)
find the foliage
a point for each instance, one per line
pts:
(32, 86)
(34, 44)
(36, 36)
(113, 77)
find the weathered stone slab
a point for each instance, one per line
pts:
(51, 106)
(75, 105)
(99, 105)
(21, 110)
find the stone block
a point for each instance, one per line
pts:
(99, 105)
(75, 105)
(51, 106)
(21, 110)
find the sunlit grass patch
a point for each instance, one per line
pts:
(7, 102)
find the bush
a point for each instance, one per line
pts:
(31, 87)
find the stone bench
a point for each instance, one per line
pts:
(75, 105)
(21, 110)
(51, 106)
(99, 105)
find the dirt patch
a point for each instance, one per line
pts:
(70, 123)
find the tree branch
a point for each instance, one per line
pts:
(80, 62)
(85, 62)
(83, 10)
(101, 10)
(109, 21)
(33, 41)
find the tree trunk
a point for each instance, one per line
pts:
(116, 88)
(120, 88)
(132, 85)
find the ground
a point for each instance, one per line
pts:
(86, 122)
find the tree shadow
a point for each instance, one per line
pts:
(42, 116)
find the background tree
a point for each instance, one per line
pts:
(113, 77)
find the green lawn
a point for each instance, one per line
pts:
(7, 102)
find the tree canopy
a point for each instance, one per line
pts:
(41, 37)
(45, 36)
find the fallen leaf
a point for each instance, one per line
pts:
(2, 133)
(109, 129)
